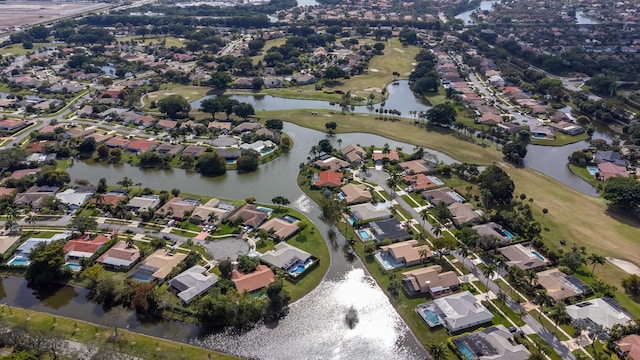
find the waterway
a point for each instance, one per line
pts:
(583, 20)
(400, 97)
(466, 16)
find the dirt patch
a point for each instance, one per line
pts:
(152, 96)
(169, 93)
(625, 265)
(373, 89)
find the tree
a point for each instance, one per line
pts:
(247, 264)
(11, 158)
(103, 151)
(622, 193)
(595, 259)
(543, 299)
(226, 267)
(441, 115)
(331, 127)
(278, 299)
(83, 223)
(174, 106)
(31, 219)
(248, 161)
(211, 164)
(437, 350)
(631, 284)
(325, 146)
(424, 216)
(211, 106)
(393, 180)
(495, 186)
(220, 80)
(145, 299)
(125, 182)
(244, 110)
(102, 186)
(280, 200)
(46, 264)
(333, 72)
(558, 313)
(443, 244)
(489, 271)
(87, 146)
(514, 152)
(116, 155)
(273, 124)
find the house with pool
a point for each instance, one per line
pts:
(289, 258)
(495, 231)
(21, 258)
(250, 215)
(367, 212)
(455, 312)
(430, 280)
(281, 228)
(157, 265)
(355, 194)
(605, 312)
(83, 247)
(495, 343)
(405, 253)
(120, 256)
(524, 256)
(391, 229)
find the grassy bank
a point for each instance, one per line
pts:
(95, 335)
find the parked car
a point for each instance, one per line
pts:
(166, 237)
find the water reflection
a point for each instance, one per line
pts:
(315, 327)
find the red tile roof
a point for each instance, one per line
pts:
(141, 145)
(329, 178)
(88, 246)
(260, 278)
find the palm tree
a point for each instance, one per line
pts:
(213, 218)
(501, 296)
(393, 180)
(363, 168)
(424, 216)
(31, 219)
(437, 350)
(107, 208)
(464, 252)
(543, 299)
(532, 277)
(125, 182)
(11, 213)
(129, 242)
(339, 141)
(559, 314)
(489, 271)
(596, 259)
(437, 230)
(424, 254)
(99, 198)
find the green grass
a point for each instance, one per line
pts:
(87, 333)
(169, 41)
(17, 49)
(551, 326)
(561, 139)
(584, 174)
(544, 347)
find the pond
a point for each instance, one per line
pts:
(466, 16)
(400, 97)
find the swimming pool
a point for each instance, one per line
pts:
(290, 218)
(465, 351)
(431, 317)
(457, 197)
(265, 151)
(507, 234)
(73, 267)
(435, 180)
(299, 267)
(142, 276)
(18, 261)
(536, 254)
(264, 209)
(297, 270)
(364, 234)
(538, 136)
(592, 170)
(352, 220)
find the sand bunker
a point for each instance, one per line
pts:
(374, 70)
(400, 50)
(625, 265)
(373, 89)
(169, 93)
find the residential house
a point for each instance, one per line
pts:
(160, 263)
(495, 231)
(417, 167)
(561, 286)
(143, 203)
(19, 174)
(229, 154)
(368, 211)
(305, 79)
(35, 196)
(111, 198)
(222, 209)
(273, 82)
(285, 256)
(419, 183)
(379, 155)
(139, 146)
(445, 195)
(259, 279)
(84, 247)
(281, 228)
(24, 250)
(166, 124)
(608, 170)
(629, 347)
(12, 124)
(608, 156)
(430, 280)
(456, 312)
(390, 229)
(117, 142)
(331, 163)
(169, 149)
(354, 154)
(605, 312)
(223, 126)
(249, 215)
(542, 132)
(120, 256)
(243, 83)
(328, 178)
(192, 283)
(194, 151)
(494, 343)
(356, 194)
(523, 257)
(406, 253)
(73, 199)
(178, 208)
(245, 127)
(462, 213)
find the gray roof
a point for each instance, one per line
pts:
(368, 211)
(284, 255)
(27, 246)
(462, 310)
(603, 311)
(494, 343)
(389, 229)
(193, 282)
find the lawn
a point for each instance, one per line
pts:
(169, 41)
(268, 45)
(87, 333)
(17, 49)
(584, 174)
(189, 92)
(561, 139)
